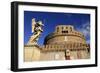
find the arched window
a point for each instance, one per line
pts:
(62, 28)
(70, 28)
(57, 29)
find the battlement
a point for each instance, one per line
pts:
(62, 28)
(63, 47)
(67, 29)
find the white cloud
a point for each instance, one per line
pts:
(85, 29)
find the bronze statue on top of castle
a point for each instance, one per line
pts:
(36, 30)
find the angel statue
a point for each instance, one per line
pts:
(36, 30)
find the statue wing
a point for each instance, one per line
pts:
(33, 24)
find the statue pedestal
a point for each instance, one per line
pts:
(31, 53)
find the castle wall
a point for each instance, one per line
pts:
(60, 55)
(31, 53)
(52, 55)
(83, 54)
(67, 39)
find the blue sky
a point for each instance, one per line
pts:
(81, 22)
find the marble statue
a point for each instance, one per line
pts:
(36, 30)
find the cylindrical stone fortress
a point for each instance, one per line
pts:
(65, 34)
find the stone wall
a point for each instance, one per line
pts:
(31, 53)
(65, 39)
(52, 55)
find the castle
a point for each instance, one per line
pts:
(65, 43)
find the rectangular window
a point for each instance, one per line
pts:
(64, 31)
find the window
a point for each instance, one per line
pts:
(65, 38)
(64, 31)
(57, 29)
(70, 28)
(57, 56)
(62, 28)
(66, 27)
